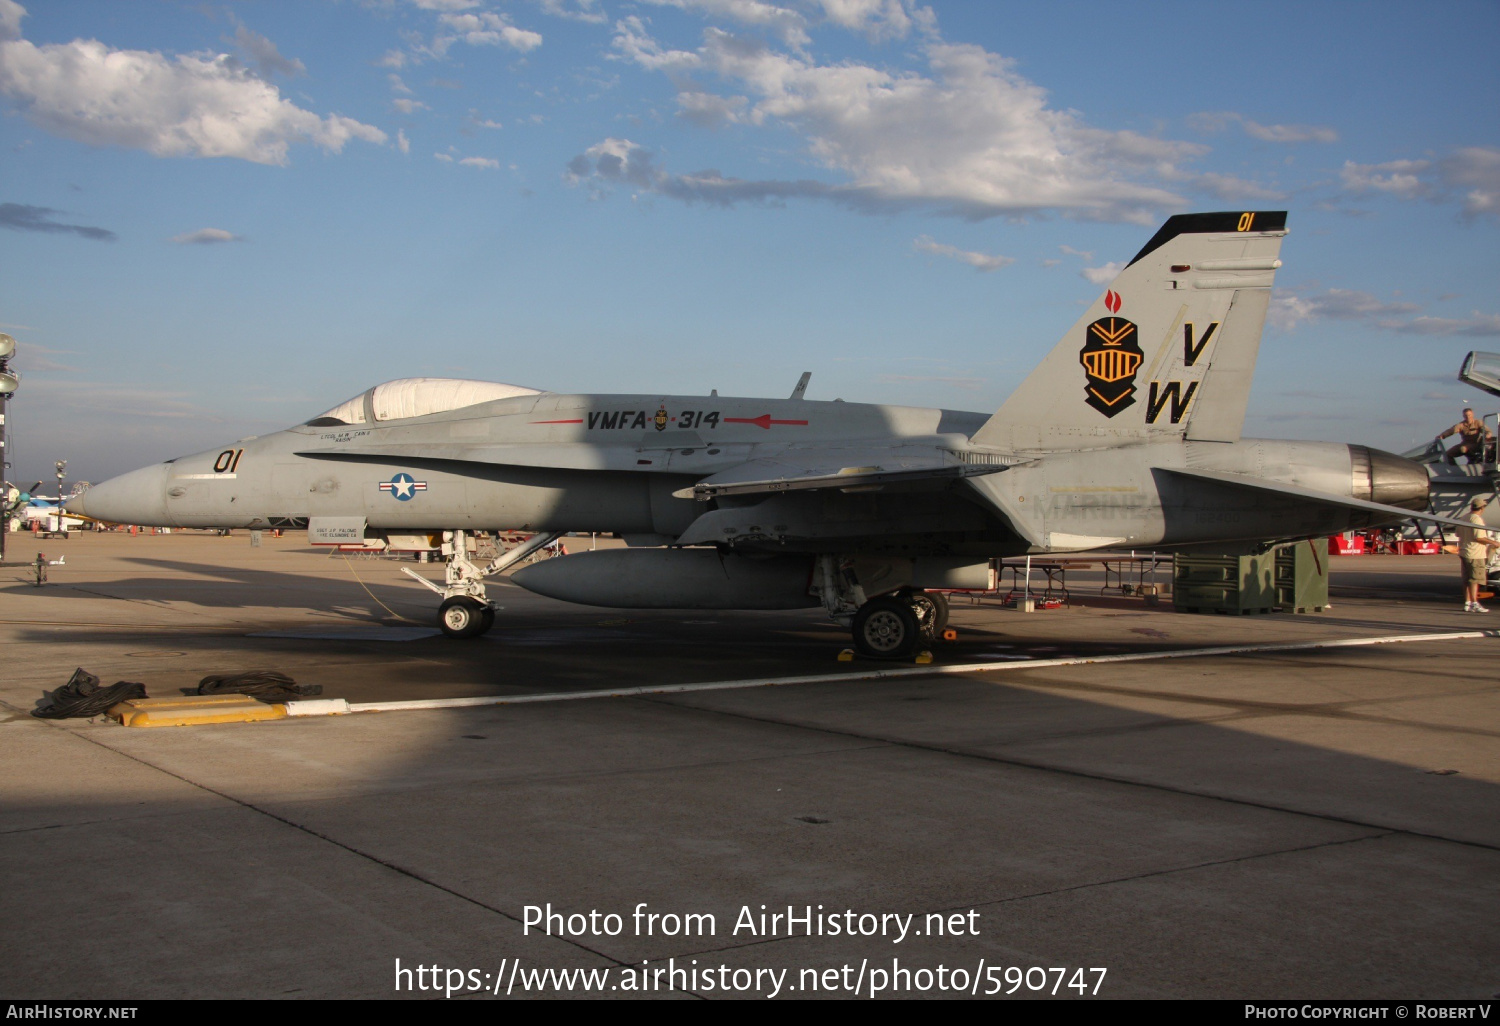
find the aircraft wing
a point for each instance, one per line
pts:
(1310, 495)
(814, 468)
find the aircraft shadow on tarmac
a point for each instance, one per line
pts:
(1194, 846)
(203, 584)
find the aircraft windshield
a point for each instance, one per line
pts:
(416, 397)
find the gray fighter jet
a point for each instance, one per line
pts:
(1126, 436)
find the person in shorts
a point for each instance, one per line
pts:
(1474, 545)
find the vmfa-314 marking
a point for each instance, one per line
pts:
(1127, 434)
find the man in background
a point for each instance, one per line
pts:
(1474, 545)
(1473, 436)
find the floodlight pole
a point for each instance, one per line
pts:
(8, 383)
(62, 465)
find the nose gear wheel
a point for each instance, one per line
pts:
(464, 617)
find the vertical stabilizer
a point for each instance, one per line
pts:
(1168, 351)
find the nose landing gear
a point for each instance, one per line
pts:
(466, 611)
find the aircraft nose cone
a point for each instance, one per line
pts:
(138, 497)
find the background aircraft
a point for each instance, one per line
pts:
(1126, 435)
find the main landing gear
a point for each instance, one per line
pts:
(466, 611)
(890, 626)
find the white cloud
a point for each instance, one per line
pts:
(1397, 177)
(267, 58)
(1477, 325)
(402, 142)
(1217, 121)
(443, 157)
(876, 19)
(788, 25)
(397, 85)
(207, 236)
(709, 110)
(1291, 133)
(636, 44)
(1103, 275)
(1233, 188)
(486, 29)
(484, 162)
(1086, 254)
(406, 106)
(445, 5)
(583, 10)
(979, 261)
(971, 137)
(11, 14)
(1288, 310)
(393, 59)
(1470, 174)
(1474, 170)
(190, 105)
(23, 217)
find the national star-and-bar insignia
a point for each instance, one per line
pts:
(403, 486)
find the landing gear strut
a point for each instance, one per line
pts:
(466, 611)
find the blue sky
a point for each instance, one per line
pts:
(217, 219)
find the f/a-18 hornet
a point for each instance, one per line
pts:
(1127, 435)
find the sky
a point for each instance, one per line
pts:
(218, 219)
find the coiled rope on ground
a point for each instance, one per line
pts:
(257, 684)
(82, 696)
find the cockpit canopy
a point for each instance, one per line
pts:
(416, 397)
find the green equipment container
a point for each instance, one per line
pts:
(1302, 577)
(1292, 578)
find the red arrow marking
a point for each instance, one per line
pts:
(763, 421)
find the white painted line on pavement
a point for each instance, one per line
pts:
(929, 670)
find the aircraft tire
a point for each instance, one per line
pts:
(488, 618)
(941, 601)
(463, 617)
(931, 608)
(886, 628)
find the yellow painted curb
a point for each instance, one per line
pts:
(194, 709)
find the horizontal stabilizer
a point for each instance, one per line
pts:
(1311, 495)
